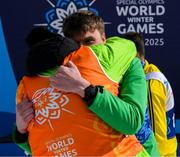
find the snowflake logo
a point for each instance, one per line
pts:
(59, 11)
(49, 104)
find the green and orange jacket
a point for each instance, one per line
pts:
(128, 107)
(105, 65)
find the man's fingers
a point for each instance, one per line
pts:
(24, 100)
(29, 117)
(60, 87)
(68, 67)
(57, 78)
(53, 79)
(24, 106)
(27, 112)
(71, 65)
(63, 68)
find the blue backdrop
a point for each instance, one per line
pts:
(157, 20)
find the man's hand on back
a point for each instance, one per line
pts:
(24, 114)
(69, 79)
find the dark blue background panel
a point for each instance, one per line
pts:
(158, 21)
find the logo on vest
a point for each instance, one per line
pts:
(60, 9)
(49, 104)
(63, 146)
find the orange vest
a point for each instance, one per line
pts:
(63, 125)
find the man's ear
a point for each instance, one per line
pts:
(103, 36)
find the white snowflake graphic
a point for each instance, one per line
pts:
(62, 14)
(49, 104)
(59, 11)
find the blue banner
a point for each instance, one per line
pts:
(157, 20)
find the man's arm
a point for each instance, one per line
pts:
(126, 113)
(24, 114)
